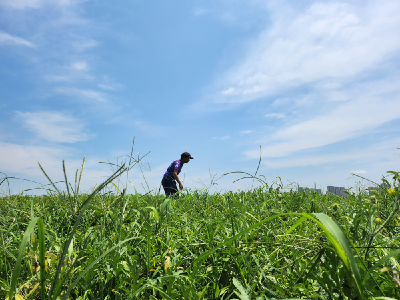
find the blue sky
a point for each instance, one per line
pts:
(315, 83)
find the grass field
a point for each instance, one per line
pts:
(258, 244)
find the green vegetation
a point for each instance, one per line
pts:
(258, 244)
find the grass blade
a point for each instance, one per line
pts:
(381, 261)
(17, 268)
(52, 183)
(83, 208)
(331, 230)
(203, 256)
(80, 176)
(66, 182)
(298, 223)
(65, 296)
(243, 295)
(342, 248)
(42, 263)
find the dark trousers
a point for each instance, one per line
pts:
(169, 187)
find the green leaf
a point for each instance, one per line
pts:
(298, 223)
(71, 235)
(155, 212)
(65, 296)
(71, 247)
(330, 229)
(342, 248)
(381, 261)
(42, 261)
(243, 295)
(17, 268)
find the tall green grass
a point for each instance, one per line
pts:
(258, 244)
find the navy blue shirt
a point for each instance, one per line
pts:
(175, 165)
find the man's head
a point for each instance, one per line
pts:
(185, 157)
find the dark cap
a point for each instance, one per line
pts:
(186, 154)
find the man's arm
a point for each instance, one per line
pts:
(175, 174)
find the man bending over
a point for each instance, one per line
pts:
(171, 176)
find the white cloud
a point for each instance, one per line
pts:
(6, 38)
(359, 172)
(242, 132)
(70, 74)
(82, 93)
(79, 65)
(108, 84)
(379, 154)
(275, 115)
(73, 72)
(332, 63)
(199, 11)
(58, 78)
(351, 119)
(226, 137)
(25, 4)
(229, 91)
(329, 41)
(54, 126)
(314, 160)
(84, 43)
(22, 161)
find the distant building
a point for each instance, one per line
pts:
(307, 190)
(371, 189)
(336, 190)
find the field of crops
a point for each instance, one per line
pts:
(258, 244)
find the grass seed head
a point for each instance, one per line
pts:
(384, 269)
(167, 263)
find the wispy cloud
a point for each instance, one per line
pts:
(352, 119)
(26, 4)
(381, 151)
(83, 44)
(54, 126)
(314, 160)
(243, 132)
(229, 91)
(199, 11)
(6, 38)
(326, 43)
(79, 65)
(331, 62)
(108, 84)
(63, 59)
(82, 93)
(22, 161)
(275, 115)
(67, 64)
(359, 172)
(226, 137)
(76, 72)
